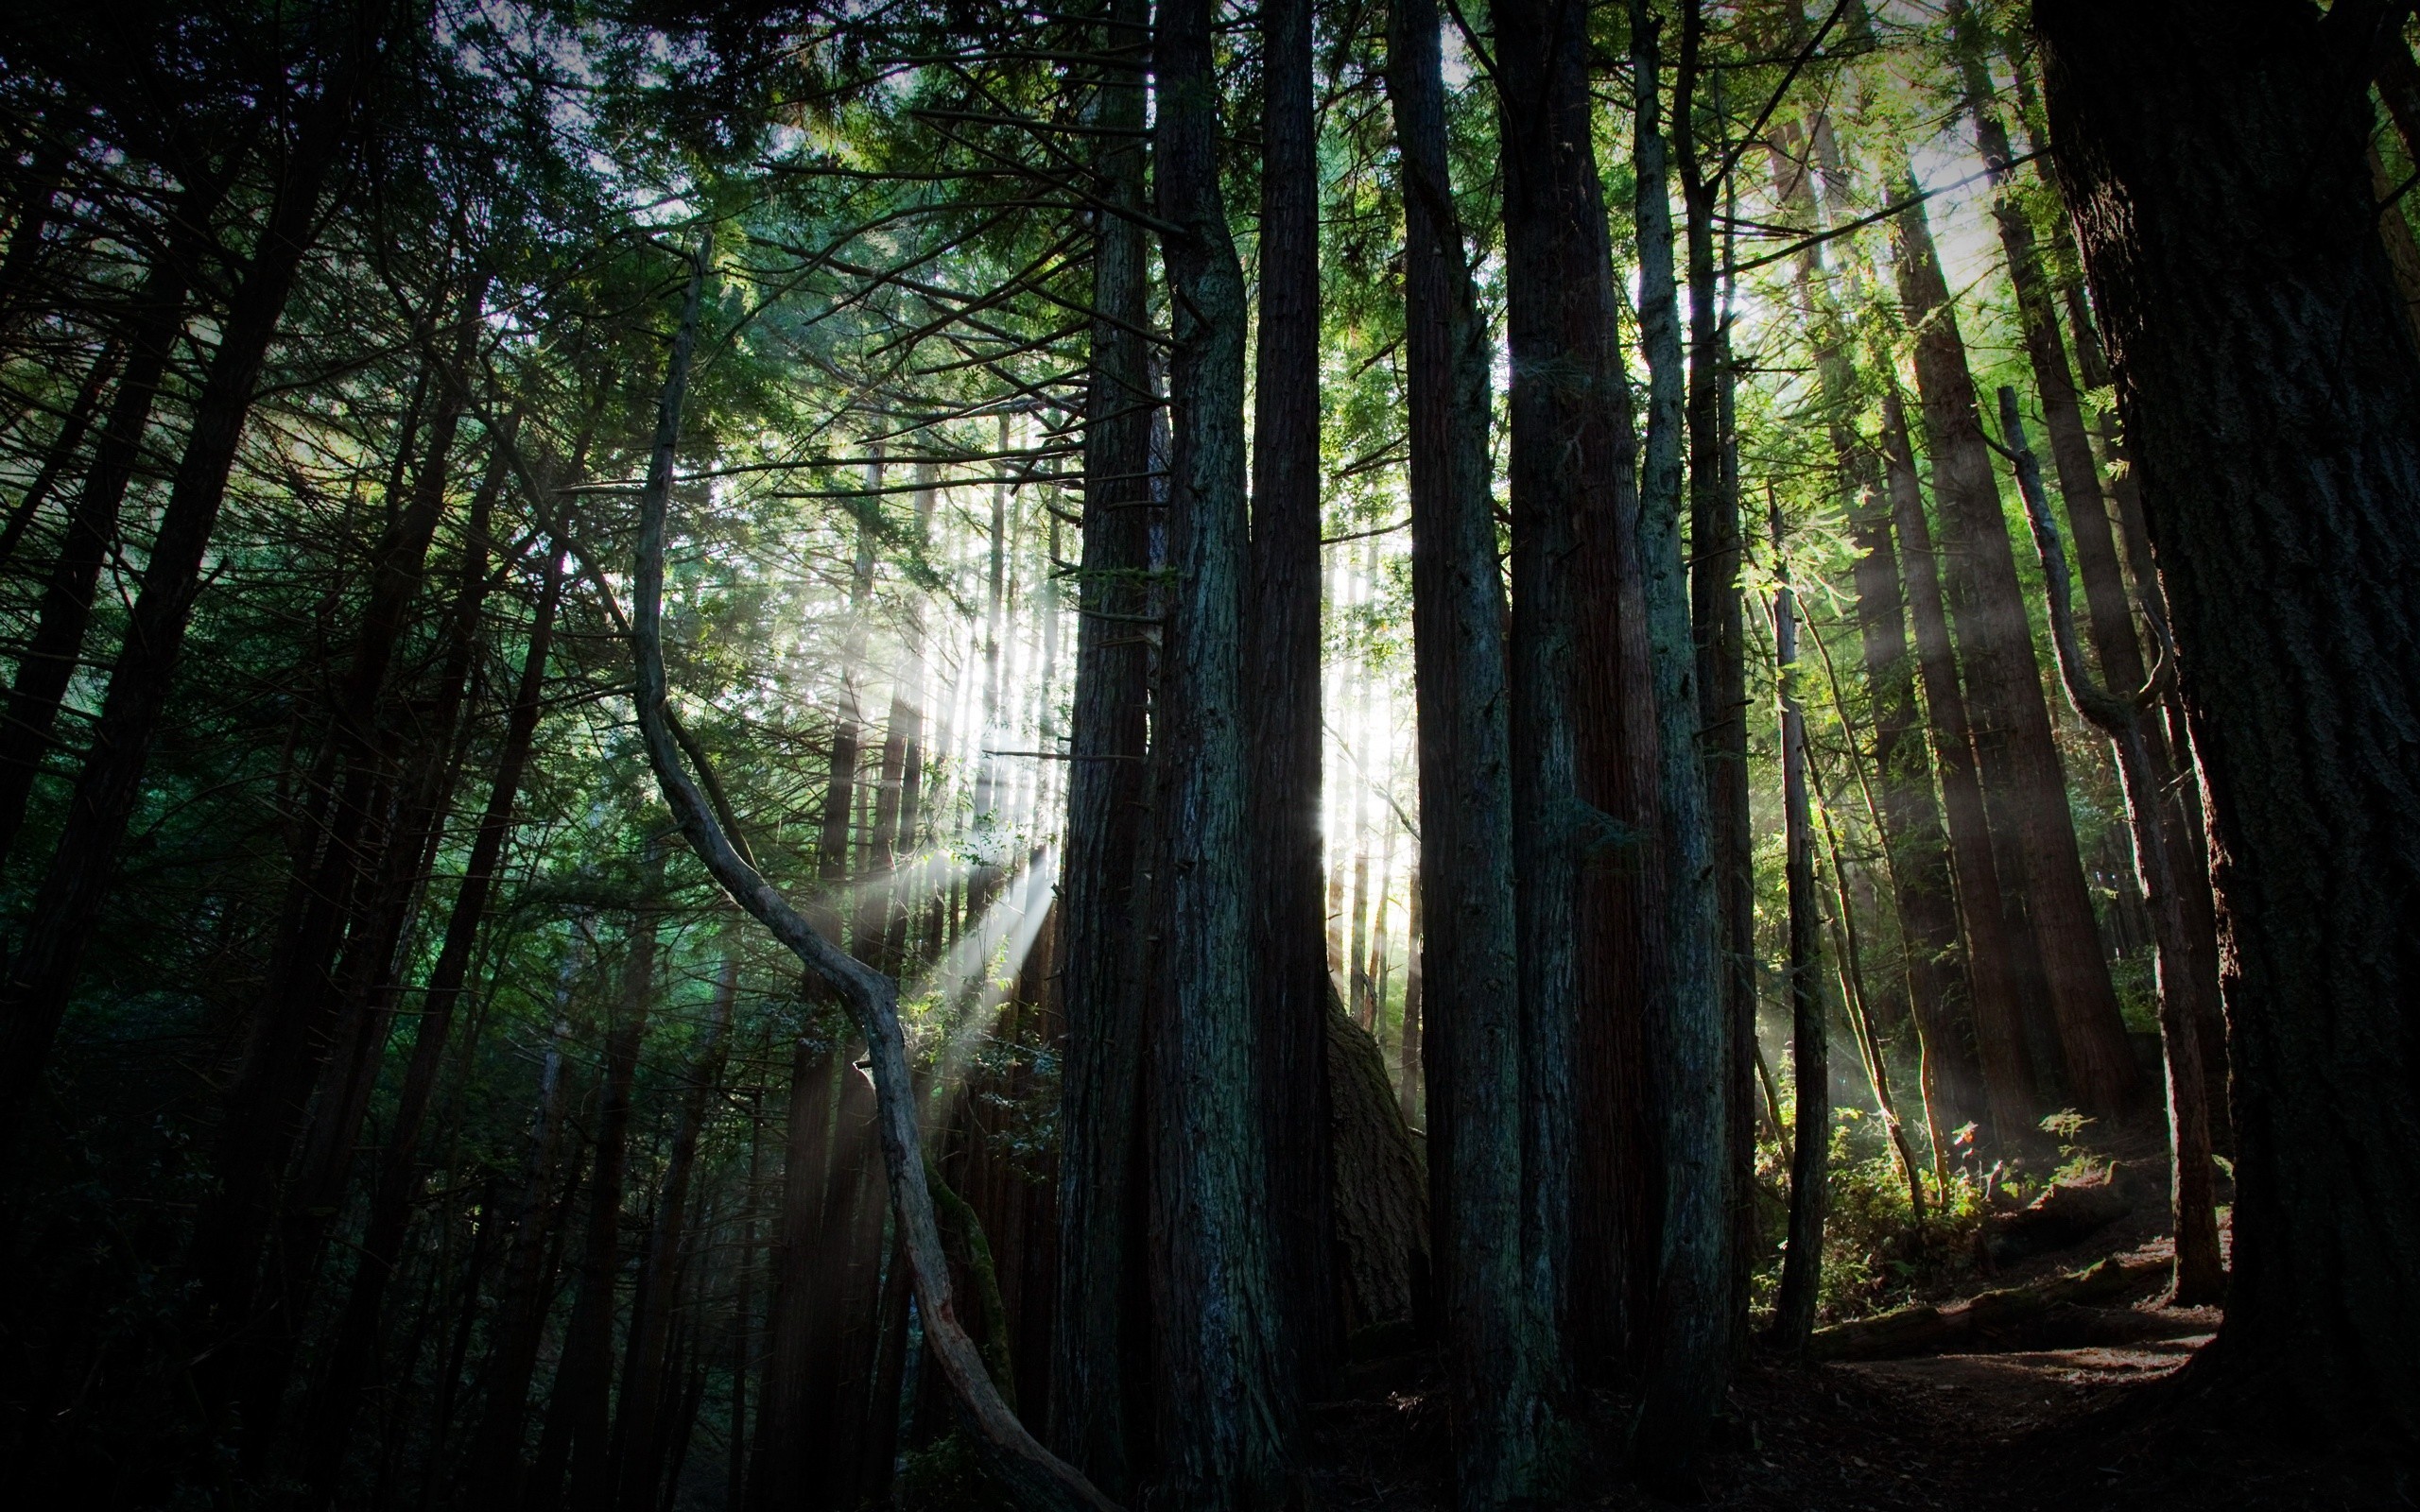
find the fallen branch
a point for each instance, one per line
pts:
(1038, 1478)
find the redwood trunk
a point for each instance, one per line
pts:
(2024, 787)
(1290, 976)
(1470, 1050)
(2213, 158)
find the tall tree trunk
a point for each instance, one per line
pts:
(1923, 892)
(1802, 1269)
(1289, 972)
(1570, 454)
(2009, 1097)
(67, 902)
(1688, 1343)
(1223, 1435)
(492, 1468)
(2185, 811)
(1471, 1049)
(776, 1482)
(2024, 789)
(2111, 614)
(354, 1360)
(368, 985)
(293, 1022)
(1092, 1420)
(584, 1380)
(64, 448)
(638, 1432)
(2200, 1280)
(1718, 620)
(52, 653)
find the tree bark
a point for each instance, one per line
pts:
(2272, 395)
(1718, 622)
(1094, 1417)
(1290, 976)
(1688, 1338)
(1223, 1447)
(2024, 789)
(1470, 1049)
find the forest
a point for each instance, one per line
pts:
(1209, 756)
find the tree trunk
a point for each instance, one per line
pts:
(1093, 1422)
(2201, 1280)
(492, 1469)
(1571, 469)
(777, 1480)
(1802, 1269)
(2189, 823)
(583, 1382)
(1470, 1051)
(52, 654)
(353, 1365)
(1289, 974)
(1688, 1343)
(67, 902)
(2008, 1098)
(1211, 1285)
(2271, 396)
(1922, 890)
(1719, 627)
(638, 1433)
(2025, 790)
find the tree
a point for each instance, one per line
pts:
(1470, 1051)
(2271, 393)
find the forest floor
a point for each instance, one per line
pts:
(2091, 1426)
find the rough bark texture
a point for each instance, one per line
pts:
(1381, 1199)
(2212, 157)
(1470, 1048)
(1290, 976)
(1098, 1188)
(1688, 1341)
(1221, 1420)
(1565, 406)
(2024, 787)
(1717, 620)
